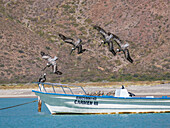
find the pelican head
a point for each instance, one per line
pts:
(109, 33)
(118, 50)
(42, 53)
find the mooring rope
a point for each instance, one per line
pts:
(18, 105)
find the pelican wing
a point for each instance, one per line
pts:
(131, 94)
(55, 58)
(46, 57)
(127, 55)
(39, 79)
(102, 31)
(116, 37)
(78, 42)
(43, 54)
(66, 39)
(118, 42)
(125, 46)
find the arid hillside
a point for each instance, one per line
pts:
(28, 27)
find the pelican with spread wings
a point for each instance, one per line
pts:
(77, 44)
(51, 62)
(123, 47)
(108, 38)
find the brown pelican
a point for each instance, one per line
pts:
(131, 94)
(107, 38)
(123, 48)
(51, 62)
(42, 78)
(76, 44)
(123, 87)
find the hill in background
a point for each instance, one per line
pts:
(29, 27)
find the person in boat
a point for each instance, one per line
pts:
(51, 62)
(77, 44)
(108, 38)
(123, 48)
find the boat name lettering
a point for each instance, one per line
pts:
(85, 98)
(86, 102)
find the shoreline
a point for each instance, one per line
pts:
(139, 90)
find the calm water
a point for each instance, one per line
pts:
(27, 116)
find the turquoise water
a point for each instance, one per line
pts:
(26, 116)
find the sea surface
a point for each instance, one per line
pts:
(26, 116)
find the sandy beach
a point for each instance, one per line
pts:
(138, 90)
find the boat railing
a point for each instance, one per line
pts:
(44, 87)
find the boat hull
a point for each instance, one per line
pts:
(83, 104)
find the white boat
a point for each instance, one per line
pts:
(120, 103)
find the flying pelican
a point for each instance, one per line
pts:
(123, 47)
(51, 62)
(76, 44)
(107, 38)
